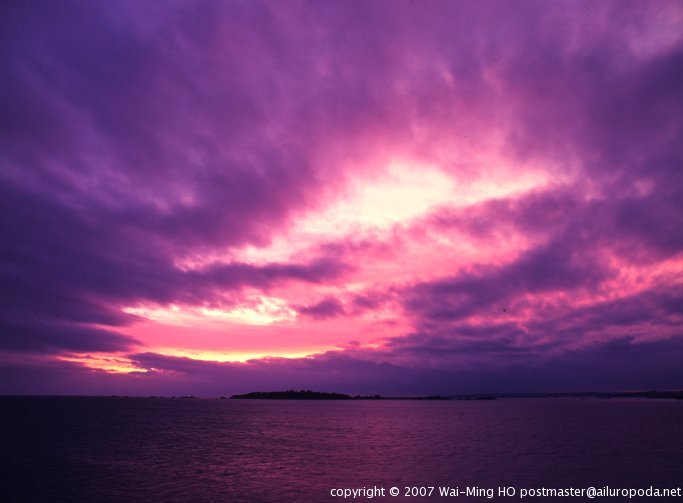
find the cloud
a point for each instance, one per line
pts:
(358, 372)
(64, 270)
(149, 153)
(326, 308)
(619, 364)
(555, 332)
(44, 335)
(553, 267)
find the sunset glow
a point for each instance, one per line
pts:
(362, 195)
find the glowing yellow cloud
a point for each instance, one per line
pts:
(255, 310)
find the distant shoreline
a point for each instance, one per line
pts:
(317, 395)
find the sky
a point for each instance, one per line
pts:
(396, 197)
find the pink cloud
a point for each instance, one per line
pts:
(428, 187)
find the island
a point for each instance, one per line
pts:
(292, 395)
(321, 395)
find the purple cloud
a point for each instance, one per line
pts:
(136, 137)
(326, 308)
(618, 364)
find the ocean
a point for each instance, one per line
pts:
(196, 450)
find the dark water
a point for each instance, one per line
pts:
(116, 449)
